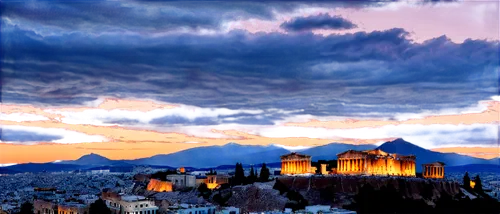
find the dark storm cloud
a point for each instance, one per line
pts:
(182, 120)
(266, 9)
(153, 16)
(383, 70)
(99, 17)
(25, 136)
(444, 135)
(321, 21)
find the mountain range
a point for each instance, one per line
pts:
(229, 154)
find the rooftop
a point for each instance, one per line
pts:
(131, 198)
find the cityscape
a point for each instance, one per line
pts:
(251, 107)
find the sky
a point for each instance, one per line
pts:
(132, 79)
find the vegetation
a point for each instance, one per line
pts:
(466, 181)
(204, 191)
(478, 187)
(252, 177)
(26, 208)
(162, 175)
(297, 201)
(212, 172)
(390, 200)
(99, 207)
(264, 173)
(239, 175)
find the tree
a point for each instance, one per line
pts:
(264, 173)
(251, 177)
(466, 181)
(204, 190)
(239, 174)
(26, 208)
(99, 207)
(478, 187)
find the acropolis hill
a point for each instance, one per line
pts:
(408, 187)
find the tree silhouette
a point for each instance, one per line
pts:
(251, 178)
(204, 190)
(99, 207)
(478, 187)
(239, 174)
(26, 208)
(466, 181)
(264, 173)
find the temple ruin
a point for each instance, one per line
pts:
(433, 170)
(375, 162)
(294, 163)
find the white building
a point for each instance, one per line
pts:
(230, 210)
(193, 209)
(88, 199)
(182, 180)
(318, 209)
(131, 204)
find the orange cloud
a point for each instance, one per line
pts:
(479, 152)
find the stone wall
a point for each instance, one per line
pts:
(159, 186)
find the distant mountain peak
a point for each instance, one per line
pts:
(400, 146)
(91, 159)
(231, 144)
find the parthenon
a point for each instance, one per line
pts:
(433, 170)
(375, 162)
(295, 163)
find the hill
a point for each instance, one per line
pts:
(403, 147)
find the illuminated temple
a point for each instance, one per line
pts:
(375, 162)
(294, 163)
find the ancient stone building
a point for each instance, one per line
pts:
(295, 163)
(375, 162)
(433, 170)
(159, 186)
(214, 181)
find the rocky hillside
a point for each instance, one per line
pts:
(317, 189)
(257, 197)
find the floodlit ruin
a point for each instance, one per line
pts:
(433, 170)
(375, 162)
(294, 163)
(159, 186)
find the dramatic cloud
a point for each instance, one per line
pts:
(321, 75)
(27, 135)
(321, 21)
(267, 9)
(115, 16)
(152, 16)
(179, 115)
(451, 135)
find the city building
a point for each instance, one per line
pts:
(318, 208)
(433, 170)
(200, 179)
(230, 210)
(295, 163)
(375, 162)
(44, 207)
(213, 181)
(129, 204)
(159, 186)
(192, 209)
(182, 180)
(72, 208)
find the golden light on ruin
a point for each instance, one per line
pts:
(433, 170)
(375, 162)
(295, 163)
(212, 185)
(472, 184)
(159, 186)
